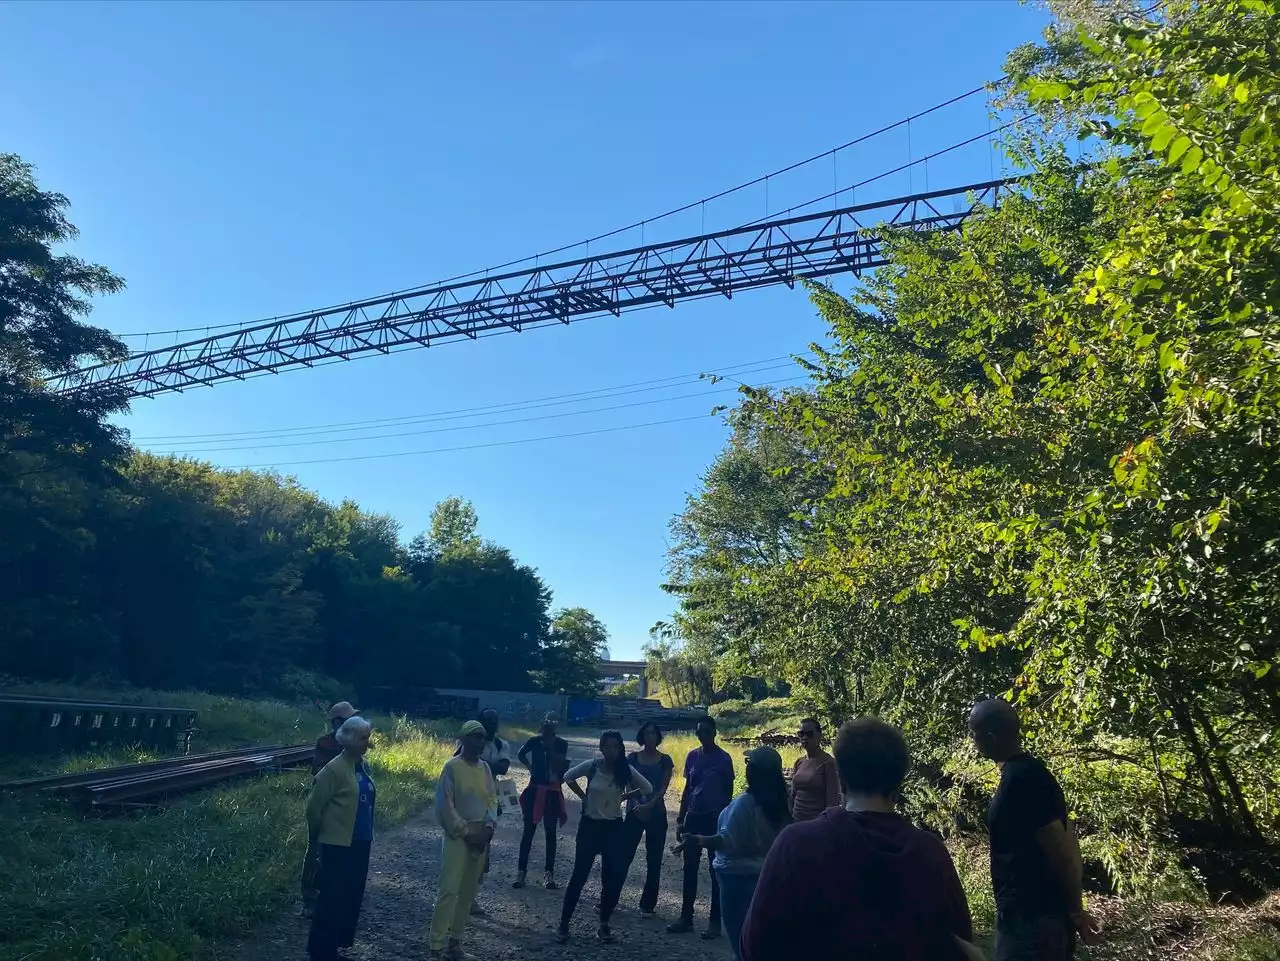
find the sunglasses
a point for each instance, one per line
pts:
(807, 734)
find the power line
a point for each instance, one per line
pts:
(446, 450)
(763, 178)
(660, 383)
(499, 423)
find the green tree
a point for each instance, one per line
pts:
(572, 652)
(1045, 446)
(453, 528)
(55, 450)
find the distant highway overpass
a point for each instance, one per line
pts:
(626, 669)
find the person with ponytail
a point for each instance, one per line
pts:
(601, 832)
(745, 831)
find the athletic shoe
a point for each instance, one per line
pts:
(562, 936)
(604, 935)
(648, 913)
(549, 881)
(519, 881)
(680, 927)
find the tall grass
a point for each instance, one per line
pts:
(158, 886)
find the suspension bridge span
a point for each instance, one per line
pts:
(720, 264)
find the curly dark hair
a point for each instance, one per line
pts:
(872, 757)
(646, 726)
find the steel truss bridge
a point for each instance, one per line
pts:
(762, 254)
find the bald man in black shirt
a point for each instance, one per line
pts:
(1036, 869)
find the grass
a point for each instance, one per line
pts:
(161, 886)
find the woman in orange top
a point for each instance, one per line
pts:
(815, 785)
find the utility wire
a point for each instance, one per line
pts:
(554, 400)
(497, 423)
(498, 443)
(764, 178)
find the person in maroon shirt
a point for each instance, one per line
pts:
(859, 880)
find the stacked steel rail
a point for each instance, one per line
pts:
(31, 722)
(133, 785)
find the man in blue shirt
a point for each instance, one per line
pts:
(708, 788)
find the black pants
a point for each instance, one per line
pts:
(341, 881)
(608, 839)
(654, 832)
(1034, 937)
(698, 823)
(550, 824)
(310, 872)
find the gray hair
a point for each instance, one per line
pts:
(352, 728)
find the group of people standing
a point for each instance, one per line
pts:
(623, 804)
(828, 855)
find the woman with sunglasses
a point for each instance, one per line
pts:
(815, 783)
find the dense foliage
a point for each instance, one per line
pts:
(161, 572)
(1040, 456)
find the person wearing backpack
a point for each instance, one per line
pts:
(601, 831)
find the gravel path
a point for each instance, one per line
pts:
(520, 924)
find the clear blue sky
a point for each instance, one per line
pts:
(237, 161)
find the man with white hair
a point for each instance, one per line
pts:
(340, 823)
(327, 748)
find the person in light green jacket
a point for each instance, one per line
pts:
(340, 821)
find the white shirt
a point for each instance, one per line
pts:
(604, 797)
(492, 753)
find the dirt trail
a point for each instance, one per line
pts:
(520, 924)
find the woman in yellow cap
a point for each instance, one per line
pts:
(467, 810)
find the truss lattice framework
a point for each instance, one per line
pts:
(718, 264)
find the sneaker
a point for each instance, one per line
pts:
(712, 932)
(680, 927)
(604, 935)
(648, 913)
(454, 951)
(562, 936)
(549, 881)
(519, 881)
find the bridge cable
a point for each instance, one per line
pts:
(611, 233)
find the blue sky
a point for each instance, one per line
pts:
(239, 161)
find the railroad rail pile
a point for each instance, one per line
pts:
(772, 737)
(631, 712)
(144, 785)
(31, 722)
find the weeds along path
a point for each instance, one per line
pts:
(520, 924)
